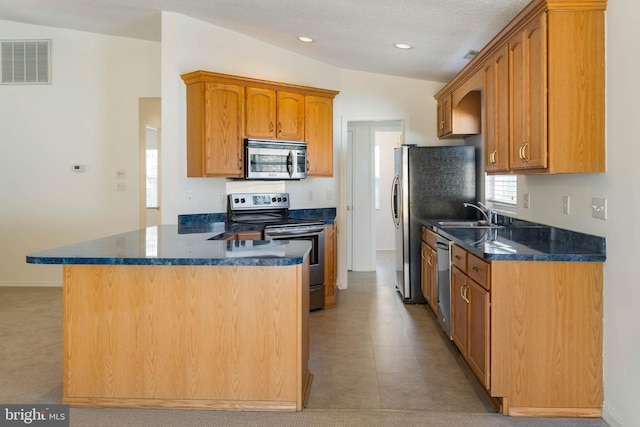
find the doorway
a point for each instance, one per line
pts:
(370, 147)
(149, 137)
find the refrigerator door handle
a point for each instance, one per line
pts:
(394, 201)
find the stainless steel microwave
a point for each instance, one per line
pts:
(273, 159)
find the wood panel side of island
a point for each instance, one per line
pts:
(207, 337)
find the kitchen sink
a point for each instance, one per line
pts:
(466, 224)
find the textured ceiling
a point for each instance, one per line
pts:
(351, 34)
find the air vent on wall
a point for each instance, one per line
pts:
(26, 62)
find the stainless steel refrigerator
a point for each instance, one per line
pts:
(429, 183)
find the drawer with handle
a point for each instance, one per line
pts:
(459, 257)
(478, 270)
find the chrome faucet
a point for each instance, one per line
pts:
(486, 212)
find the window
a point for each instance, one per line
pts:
(502, 189)
(377, 176)
(151, 166)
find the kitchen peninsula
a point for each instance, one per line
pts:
(167, 319)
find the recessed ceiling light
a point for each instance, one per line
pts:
(402, 46)
(305, 39)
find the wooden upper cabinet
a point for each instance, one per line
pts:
(553, 75)
(496, 107)
(214, 130)
(528, 96)
(223, 110)
(459, 116)
(260, 113)
(273, 114)
(319, 135)
(444, 116)
(290, 116)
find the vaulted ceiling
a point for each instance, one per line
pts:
(358, 35)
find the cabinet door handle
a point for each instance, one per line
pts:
(270, 127)
(430, 260)
(524, 152)
(279, 128)
(463, 292)
(476, 269)
(458, 257)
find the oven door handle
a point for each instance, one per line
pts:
(309, 231)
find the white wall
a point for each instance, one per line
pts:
(621, 186)
(188, 45)
(89, 116)
(368, 96)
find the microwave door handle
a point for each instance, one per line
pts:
(290, 163)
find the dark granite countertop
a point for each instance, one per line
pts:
(325, 215)
(168, 245)
(518, 240)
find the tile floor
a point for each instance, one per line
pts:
(373, 351)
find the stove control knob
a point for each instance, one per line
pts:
(236, 200)
(273, 199)
(242, 200)
(284, 199)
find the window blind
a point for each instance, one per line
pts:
(502, 189)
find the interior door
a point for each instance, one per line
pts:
(361, 210)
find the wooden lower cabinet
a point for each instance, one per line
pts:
(429, 269)
(531, 331)
(249, 235)
(470, 322)
(244, 235)
(330, 264)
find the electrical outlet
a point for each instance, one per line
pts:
(121, 173)
(565, 204)
(121, 186)
(599, 208)
(525, 200)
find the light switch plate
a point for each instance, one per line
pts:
(566, 203)
(599, 208)
(525, 200)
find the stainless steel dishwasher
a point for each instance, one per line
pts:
(443, 278)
